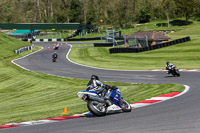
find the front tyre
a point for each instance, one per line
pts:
(174, 72)
(177, 72)
(126, 107)
(96, 108)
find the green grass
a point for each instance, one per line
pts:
(26, 95)
(184, 55)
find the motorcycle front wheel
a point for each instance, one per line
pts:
(96, 108)
(177, 73)
(126, 107)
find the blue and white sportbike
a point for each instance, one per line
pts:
(100, 104)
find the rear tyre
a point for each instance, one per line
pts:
(54, 60)
(126, 107)
(96, 108)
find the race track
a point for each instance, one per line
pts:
(178, 115)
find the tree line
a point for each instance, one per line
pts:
(109, 12)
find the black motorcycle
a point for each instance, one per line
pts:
(175, 71)
(54, 59)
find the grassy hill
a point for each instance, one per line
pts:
(184, 55)
(26, 95)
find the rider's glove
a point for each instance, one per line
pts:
(106, 86)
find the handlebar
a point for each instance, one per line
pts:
(109, 87)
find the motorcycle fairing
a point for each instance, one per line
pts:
(116, 95)
(82, 93)
(113, 108)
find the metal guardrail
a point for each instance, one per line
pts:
(18, 51)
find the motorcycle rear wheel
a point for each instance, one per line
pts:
(96, 108)
(54, 60)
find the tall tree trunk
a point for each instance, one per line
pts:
(39, 11)
(84, 9)
(168, 19)
(186, 17)
(85, 17)
(51, 10)
(47, 8)
(67, 7)
(125, 11)
(98, 19)
(133, 11)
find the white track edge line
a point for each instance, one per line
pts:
(24, 57)
(183, 92)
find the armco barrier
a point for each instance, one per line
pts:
(106, 44)
(137, 50)
(103, 44)
(18, 51)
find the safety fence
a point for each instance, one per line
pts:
(18, 51)
(157, 46)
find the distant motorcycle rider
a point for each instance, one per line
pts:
(55, 55)
(169, 67)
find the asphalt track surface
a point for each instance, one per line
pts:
(178, 115)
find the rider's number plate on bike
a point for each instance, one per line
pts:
(84, 97)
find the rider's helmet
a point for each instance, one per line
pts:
(94, 77)
(167, 63)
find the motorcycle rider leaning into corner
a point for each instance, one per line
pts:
(95, 83)
(169, 67)
(55, 55)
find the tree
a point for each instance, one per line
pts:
(186, 7)
(84, 5)
(75, 11)
(168, 7)
(144, 14)
(5, 11)
(112, 12)
(67, 5)
(91, 17)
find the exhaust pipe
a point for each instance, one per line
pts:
(95, 98)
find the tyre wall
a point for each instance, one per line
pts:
(137, 50)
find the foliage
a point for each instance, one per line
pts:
(186, 7)
(117, 13)
(75, 11)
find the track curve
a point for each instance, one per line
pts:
(182, 114)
